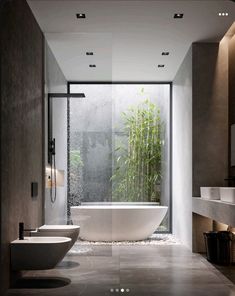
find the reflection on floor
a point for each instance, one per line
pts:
(144, 270)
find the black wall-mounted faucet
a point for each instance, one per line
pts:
(22, 230)
(230, 180)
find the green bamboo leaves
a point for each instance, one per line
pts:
(75, 158)
(137, 174)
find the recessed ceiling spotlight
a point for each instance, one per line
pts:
(92, 66)
(80, 15)
(165, 53)
(223, 14)
(89, 53)
(161, 66)
(178, 15)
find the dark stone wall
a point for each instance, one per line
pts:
(210, 115)
(21, 91)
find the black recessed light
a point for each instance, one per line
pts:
(92, 66)
(178, 15)
(165, 53)
(161, 66)
(89, 53)
(80, 15)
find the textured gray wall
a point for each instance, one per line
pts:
(182, 152)
(200, 129)
(21, 125)
(210, 115)
(91, 134)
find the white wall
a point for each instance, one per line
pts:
(56, 213)
(182, 152)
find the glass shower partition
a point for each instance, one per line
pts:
(119, 144)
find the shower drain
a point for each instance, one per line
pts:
(117, 290)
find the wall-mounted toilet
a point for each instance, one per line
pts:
(71, 231)
(36, 253)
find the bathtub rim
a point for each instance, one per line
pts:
(118, 207)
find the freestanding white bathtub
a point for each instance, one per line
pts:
(117, 221)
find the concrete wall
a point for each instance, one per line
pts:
(182, 152)
(91, 136)
(55, 82)
(21, 84)
(200, 131)
(210, 114)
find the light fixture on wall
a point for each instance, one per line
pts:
(92, 66)
(161, 66)
(89, 53)
(165, 53)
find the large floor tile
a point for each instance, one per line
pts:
(134, 270)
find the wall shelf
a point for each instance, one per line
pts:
(215, 209)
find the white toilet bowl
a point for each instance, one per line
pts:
(71, 231)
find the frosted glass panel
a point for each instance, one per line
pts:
(91, 145)
(119, 144)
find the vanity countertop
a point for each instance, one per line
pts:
(215, 209)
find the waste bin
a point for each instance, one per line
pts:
(211, 238)
(224, 247)
(219, 246)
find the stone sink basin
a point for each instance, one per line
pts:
(36, 253)
(227, 194)
(211, 193)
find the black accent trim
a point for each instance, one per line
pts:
(171, 159)
(68, 158)
(49, 128)
(66, 95)
(117, 82)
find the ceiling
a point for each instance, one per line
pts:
(128, 37)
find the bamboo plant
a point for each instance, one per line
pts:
(137, 174)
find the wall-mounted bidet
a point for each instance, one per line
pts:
(35, 253)
(70, 231)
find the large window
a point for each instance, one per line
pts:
(119, 144)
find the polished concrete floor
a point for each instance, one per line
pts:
(134, 270)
